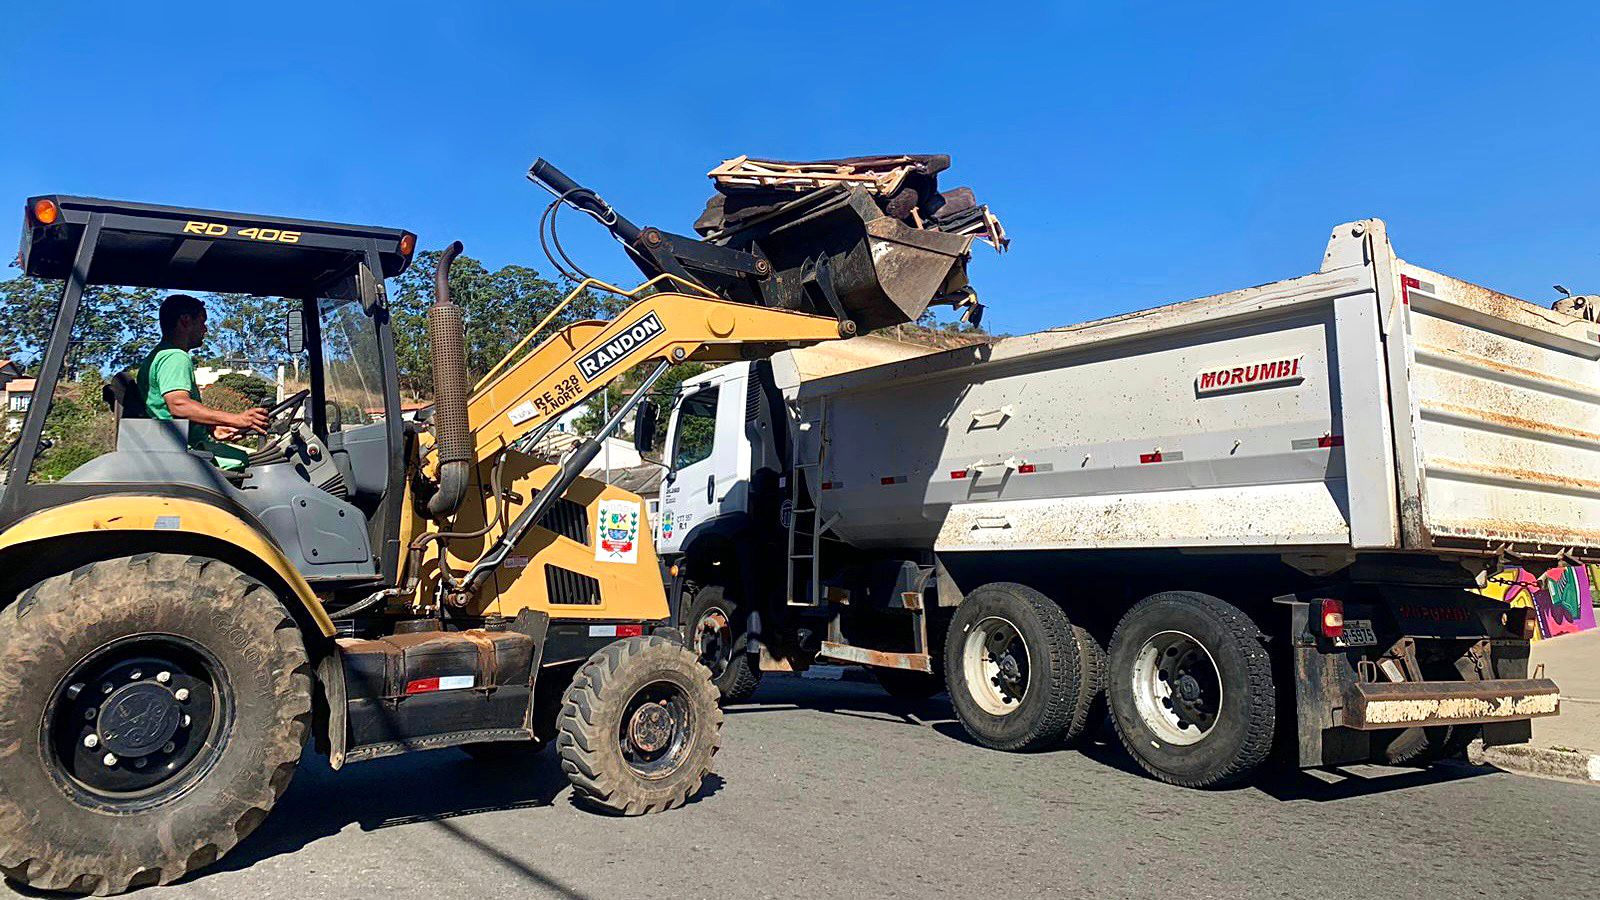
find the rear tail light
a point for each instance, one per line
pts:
(1332, 618)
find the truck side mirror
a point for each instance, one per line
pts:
(644, 427)
(294, 329)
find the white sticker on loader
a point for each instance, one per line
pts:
(618, 532)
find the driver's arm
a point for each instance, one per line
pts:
(183, 406)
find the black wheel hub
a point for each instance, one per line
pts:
(651, 728)
(656, 729)
(137, 720)
(713, 641)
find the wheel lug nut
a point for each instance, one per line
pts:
(135, 675)
(141, 763)
(105, 688)
(110, 759)
(164, 677)
(182, 694)
(74, 691)
(92, 741)
(168, 747)
(89, 714)
(186, 721)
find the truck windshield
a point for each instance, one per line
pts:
(697, 424)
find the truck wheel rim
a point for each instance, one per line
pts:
(994, 660)
(1177, 688)
(137, 722)
(713, 641)
(657, 729)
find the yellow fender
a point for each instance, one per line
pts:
(136, 512)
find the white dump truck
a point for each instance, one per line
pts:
(1247, 521)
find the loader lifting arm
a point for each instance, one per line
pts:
(525, 394)
(672, 327)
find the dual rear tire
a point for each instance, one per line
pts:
(1187, 680)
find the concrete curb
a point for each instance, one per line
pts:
(1546, 762)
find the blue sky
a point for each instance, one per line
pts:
(1138, 153)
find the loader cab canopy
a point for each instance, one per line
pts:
(82, 437)
(183, 249)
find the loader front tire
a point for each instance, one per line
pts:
(152, 710)
(639, 727)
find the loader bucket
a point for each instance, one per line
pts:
(883, 271)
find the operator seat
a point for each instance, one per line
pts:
(121, 393)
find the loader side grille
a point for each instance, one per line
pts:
(567, 587)
(568, 519)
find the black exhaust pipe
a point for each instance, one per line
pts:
(447, 340)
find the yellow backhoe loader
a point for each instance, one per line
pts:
(171, 633)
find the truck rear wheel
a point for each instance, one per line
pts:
(1013, 669)
(639, 726)
(1191, 689)
(154, 708)
(714, 628)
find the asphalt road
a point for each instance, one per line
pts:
(832, 789)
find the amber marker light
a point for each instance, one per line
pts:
(408, 243)
(45, 211)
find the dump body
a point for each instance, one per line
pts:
(1373, 405)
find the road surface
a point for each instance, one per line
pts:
(832, 789)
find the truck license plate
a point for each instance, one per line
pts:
(1357, 633)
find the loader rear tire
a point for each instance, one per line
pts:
(639, 727)
(714, 626)
(152, 710)
(1012, 665)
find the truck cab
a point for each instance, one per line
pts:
(715, 443)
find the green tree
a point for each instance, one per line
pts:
(501, 307)
(114, 328)
(253, 388)
(245, 328)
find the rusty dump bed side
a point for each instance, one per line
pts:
(1497, 415)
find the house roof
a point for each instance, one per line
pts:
(20, 386)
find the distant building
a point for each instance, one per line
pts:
(205, 376)
(18, 395)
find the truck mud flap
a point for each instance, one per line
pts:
(1407, 704)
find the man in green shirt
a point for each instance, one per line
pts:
(166, 382)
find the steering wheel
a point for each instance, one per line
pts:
(278, 417)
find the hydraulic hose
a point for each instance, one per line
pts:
(447, 339)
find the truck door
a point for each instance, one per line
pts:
(702, 450)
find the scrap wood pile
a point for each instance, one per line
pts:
(904, 187)
(870, 238)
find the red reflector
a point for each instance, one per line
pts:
(959, 473)
(629, 630)
(1150, 457)
(1332, 618)
(827, 485)
(1025, 469)
(1406, 283)
(887, 479)
(422, 686)
(1331, 440)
